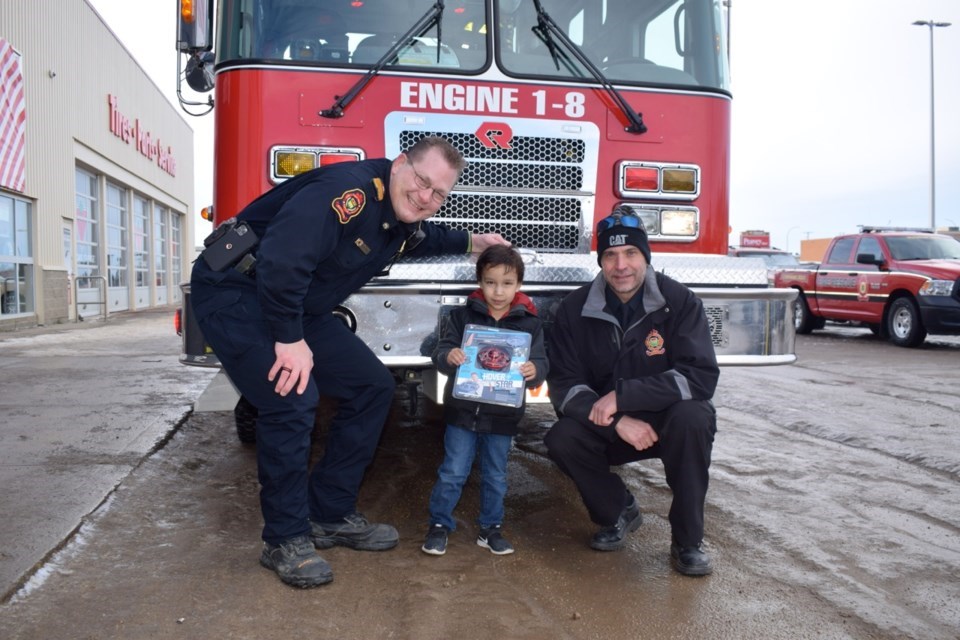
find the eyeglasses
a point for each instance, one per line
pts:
(422, 183)
(620, 219)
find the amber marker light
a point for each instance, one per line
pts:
(207, 213)
(293, 163)
(186, 10)
(683, 180)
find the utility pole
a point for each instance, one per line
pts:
(933, 156)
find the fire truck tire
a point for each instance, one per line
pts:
(245, 415)
(904, 324)
(803, 320)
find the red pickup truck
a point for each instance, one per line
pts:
(901, 283)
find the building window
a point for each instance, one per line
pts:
(176, 255)
(141, 243)
(88, 254)
(160, 245)
(116, 236)
(16, 257)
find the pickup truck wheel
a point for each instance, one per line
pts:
(245, 415)
(904, 324)
(803, 320)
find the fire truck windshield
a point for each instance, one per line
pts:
(656, 42)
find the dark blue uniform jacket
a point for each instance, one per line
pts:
(324, 235)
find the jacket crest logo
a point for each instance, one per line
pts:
(654, 343)
(349, 205)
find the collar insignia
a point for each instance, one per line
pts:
(378, 185)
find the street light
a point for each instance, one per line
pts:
(933, 162)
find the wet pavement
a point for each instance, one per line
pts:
(832, 513)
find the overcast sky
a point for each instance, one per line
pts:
(831, 111)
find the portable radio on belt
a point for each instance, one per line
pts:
(228, 244)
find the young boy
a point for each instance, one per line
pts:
(477, 427)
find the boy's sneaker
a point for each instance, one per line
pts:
(355, 532)
(492, 538)
(296, 562)
(436, 542)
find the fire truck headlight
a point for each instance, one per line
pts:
(678, 222)
(936, 288)
(292, 163)
(651, 220)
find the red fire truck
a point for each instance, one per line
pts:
(564, 109)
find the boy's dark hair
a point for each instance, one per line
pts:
(500, 255)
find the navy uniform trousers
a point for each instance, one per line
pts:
(685, 432)
(228, 312)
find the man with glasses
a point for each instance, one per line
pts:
(268, 316)
(632, 374)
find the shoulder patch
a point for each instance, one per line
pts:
(349, 205)
(378, 185)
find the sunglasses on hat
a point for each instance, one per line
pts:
(620, 218)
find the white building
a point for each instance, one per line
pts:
(96, 172)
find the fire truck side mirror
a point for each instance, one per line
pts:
(199, 71)
(194, 26)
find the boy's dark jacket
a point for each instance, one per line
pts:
(480, 416)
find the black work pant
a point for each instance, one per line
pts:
(685, 431)
(228, 312)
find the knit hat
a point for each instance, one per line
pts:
(622, 227)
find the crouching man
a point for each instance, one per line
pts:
(632, 374)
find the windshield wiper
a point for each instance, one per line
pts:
(547, 30)
(433, 16)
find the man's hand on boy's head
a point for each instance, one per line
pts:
(528, 370)
(480, 241)
(456, 357)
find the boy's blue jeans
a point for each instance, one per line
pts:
(461, 447)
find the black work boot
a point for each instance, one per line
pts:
(614, 537)
(355, 532)
(296, 562)
(690, 561)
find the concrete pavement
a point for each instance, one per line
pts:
(81, 405)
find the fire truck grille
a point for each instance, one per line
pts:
(522, 148)
(531, 194)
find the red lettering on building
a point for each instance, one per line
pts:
(148, 146)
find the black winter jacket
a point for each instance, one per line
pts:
(664, 356)
(480, 416)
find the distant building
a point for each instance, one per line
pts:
(96, 172)
(813, 250)
(950, 231)
(755, 239)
